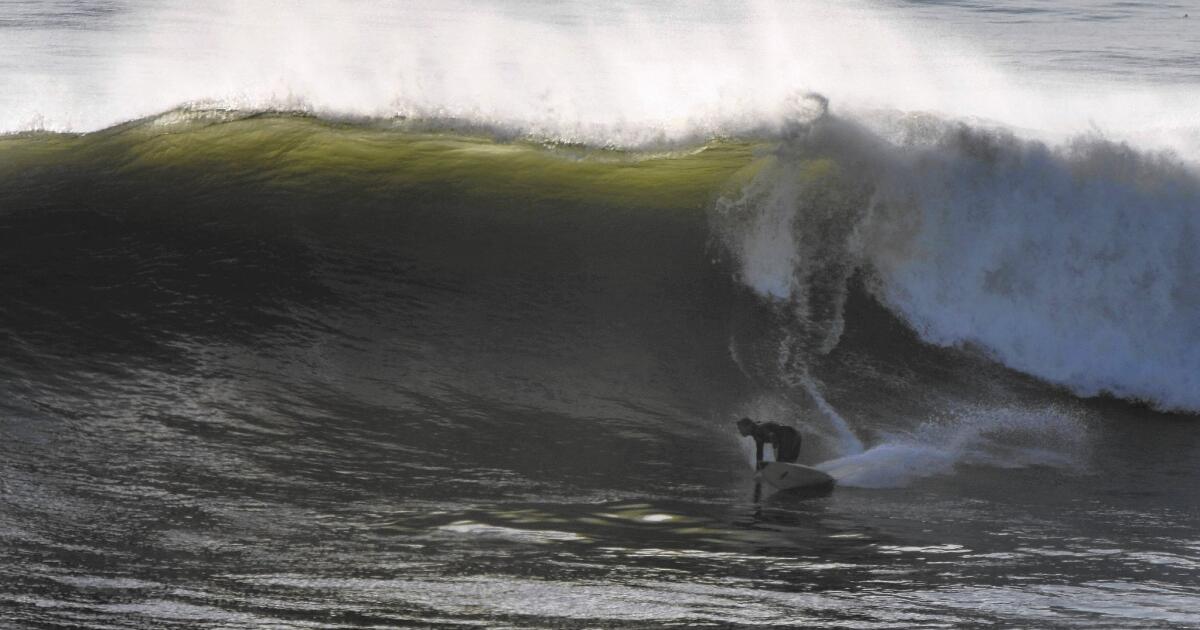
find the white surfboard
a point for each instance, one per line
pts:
(784, 476)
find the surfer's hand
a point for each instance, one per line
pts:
(760, 465)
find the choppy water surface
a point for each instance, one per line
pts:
(429, 352)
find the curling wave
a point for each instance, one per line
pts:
(1072, 263)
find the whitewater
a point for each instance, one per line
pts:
(439, 314)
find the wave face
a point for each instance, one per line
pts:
(515, 267)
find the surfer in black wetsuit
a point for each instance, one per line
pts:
(784, 439)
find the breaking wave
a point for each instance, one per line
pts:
(1075, 263)
(1072, 262)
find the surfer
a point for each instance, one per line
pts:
(784, 439)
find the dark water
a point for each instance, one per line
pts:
(280, 373)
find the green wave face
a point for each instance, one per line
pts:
(301, 154)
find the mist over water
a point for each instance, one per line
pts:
(629, 73)
(365, 314)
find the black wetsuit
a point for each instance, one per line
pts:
(783, 438)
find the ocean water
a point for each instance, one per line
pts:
(414, 314)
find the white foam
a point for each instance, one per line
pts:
(764, 240)
(483, 530)
(1075, 264)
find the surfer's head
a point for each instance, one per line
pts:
(746, 426)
